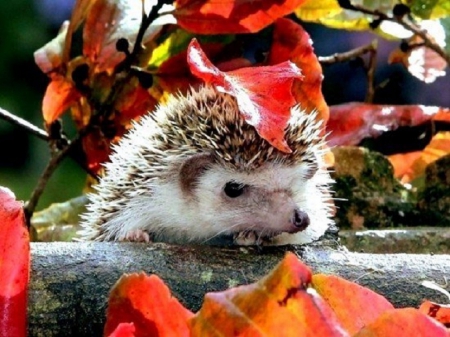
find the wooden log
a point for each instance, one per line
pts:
(70, 282)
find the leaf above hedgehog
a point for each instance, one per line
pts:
(263, 94)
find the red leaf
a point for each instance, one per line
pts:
(439, 312)
(97, 148)
(231, 16)
(291, 42)
(146, 301)
(278, 305)
(59, 96)
(405, 322)
(263, 94)
(349, 301)
(352, 122)
(134, 101)
(124, 330)
(14, 266)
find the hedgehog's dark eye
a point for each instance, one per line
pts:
(233, 189)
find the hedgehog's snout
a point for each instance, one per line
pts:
(300, 220)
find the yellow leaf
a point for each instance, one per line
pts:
(313, 10)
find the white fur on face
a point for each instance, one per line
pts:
(208, 214)
(284, 187)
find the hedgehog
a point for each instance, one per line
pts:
(194, 170)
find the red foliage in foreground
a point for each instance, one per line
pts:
(14, 266)
(290, 301)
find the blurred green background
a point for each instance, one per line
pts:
(26, 25)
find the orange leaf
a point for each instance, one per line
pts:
(438, 147)
(349, 301)
(405, 322)
(278, 305)
(292, 42)
(59, 96)
(231, 16)
(263, 94)
(124, 330)
(439, 312)
(403, 164)
(146, 301)
(14, 266)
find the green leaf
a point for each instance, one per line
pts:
(177, 42)
(445, 23)
(429, 9)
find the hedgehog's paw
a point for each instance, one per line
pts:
(247, 238)
(137, 235)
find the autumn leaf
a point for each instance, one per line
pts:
(350, 123)
(124, 330)
(292, 43)
(403, 322)
(349, 301)
(313, 10)
(263, 94)
(279, 305)
(439, 312)
(97, 148)
(106, 22)
(147, 303)
(231, 16)
(173, 74)
(14, 266)
(59, 96)
(422, 62)
(403, 165)
(50, 57)
(134, 102)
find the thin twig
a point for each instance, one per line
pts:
(428, 40)
(6, 115)
(348, 55)
(55, 159)
(101, 109)
(370, 49)
(41, 134)
(370, 71)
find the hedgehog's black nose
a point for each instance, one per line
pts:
(300, 219)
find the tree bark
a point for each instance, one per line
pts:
(70, 282)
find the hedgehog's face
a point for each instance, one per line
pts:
(270, 200)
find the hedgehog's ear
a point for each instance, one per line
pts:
(191, 170)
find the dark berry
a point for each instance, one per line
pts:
(123, 45)
(400, 10)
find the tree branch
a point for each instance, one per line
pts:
(7, 116)
(57, 157)
(101, 109)
(370, 49)
(427, 38)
